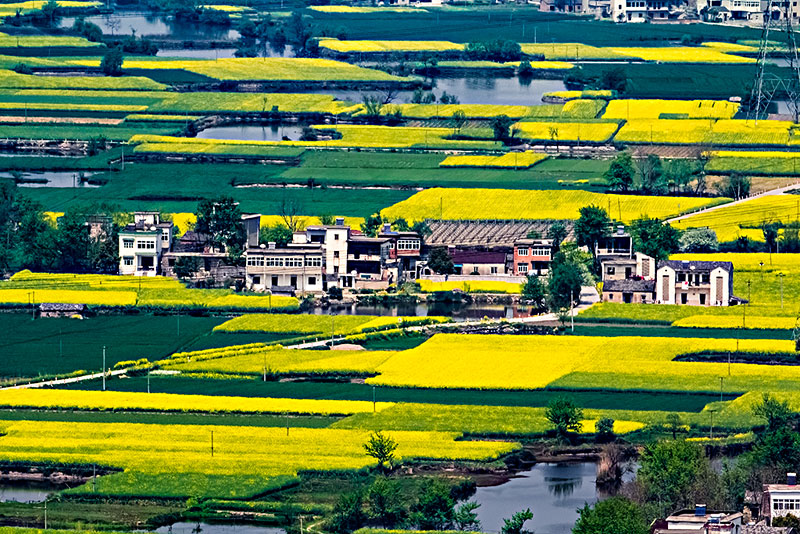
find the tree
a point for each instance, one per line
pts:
(422, 228)
(770, 231)
(558, 233)
(525, 69)
(111, 65)
(564, 415)
(592, 225)
(614, 79)
(668, 472)
(348, 513)
(514, 524)
(501, 125)
(775, 413)
(280, 234)
(465, 517)
(435, 508)
(620, 173)
(381, 447)
(616, 514)
(459, 120)
(50, 13)
(735, 186)
(401, 225)
(534, 293)
(290, 210)
(564, 285)
(372, 105)
(326, 219)
(604, 429)
(652, 172)
(674, 424)
(186, 267)
(652, 237)
(72, 242)
(386, 502)
(440, 261)
(698, 240)
(221, 220)
(372, 225)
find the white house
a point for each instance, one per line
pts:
(779, 500)
(640, 10)
(142, 243)
(334, 239)
(696, 283)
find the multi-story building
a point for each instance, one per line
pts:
(404, 251)
(725, 10)
(366, 259)
(532, 257)
(640, 10)
(638, 265)
(333, 239)
(142, 243)
(295, 268)
(780, 500)
(696, 283)
(702, 521)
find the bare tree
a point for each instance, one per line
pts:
(113, 24)
(389, 95)
(289, 211)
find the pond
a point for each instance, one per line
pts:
(51, 179)
(147, 24)
(217, 528)
(553, 491)
(24, 491)
(475, 90)
(220, 53)
(250, 132)
(458, 311)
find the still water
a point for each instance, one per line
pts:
(249, 132)
(215, 528)
(149, 24)
(475, 90)
(10, 492)
(220, 53)
(51, 179)
(553, 492)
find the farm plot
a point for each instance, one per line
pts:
(712, 132)
(593, 132)
(745, 218)
(676, 109)
(168, 402)
(438, 203)
(514, 160)
(12, 80)
(616, 363)
(109, 290)
(768, 163)
(175, 460)
(326, 325)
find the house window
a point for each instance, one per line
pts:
(681, 277)
(705, 278)
(522, 251)
(408, 244)
(127, 260)
(294, 262)
(611, 296)
(312, 280)
(493, 269)
(335, 253)
(314, 262)
(127, 243)
(610, 270)
(165, 235)
(475, 269)
(644, 298)
(255, 261)
(257, 280)
(522, 267)
(147, 244)
(540, 251)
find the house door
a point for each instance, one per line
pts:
(274, 281)
(627, 298)
(628, 272)
(293, 282)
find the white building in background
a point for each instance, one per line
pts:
(640, 10)
(725, 10)
(142, 243)
(333, 239)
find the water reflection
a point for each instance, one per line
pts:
(217, 528)
(249, 132)
(51, 179)
(148, 24)
(563, 487)
(24, 492)
(458, 311)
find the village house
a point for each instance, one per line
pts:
(366, 257)
(404, 251)
(629, 290)
(619, 244)
(532, 257)
(779, 500)
(211, 263)
(479, 263)
(333, 239)
(638, 265)
(295, 268)
(696, 283)
(701, 521)
(142, 244)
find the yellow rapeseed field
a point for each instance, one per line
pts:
(514, 160)
(361, 9)
(597, 132)
(96, 298)
(453, 203)
(168, 402)
(710, 131)
(652, 109)
(728, 321)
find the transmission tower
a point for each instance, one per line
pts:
(777, 47)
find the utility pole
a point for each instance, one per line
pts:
(571, 312)
(374, 407)
(148, 380)
(212, 443)
(287, 423)
(720, 384)
(265, 367)
(780, 275)
(179, 323)
(104, 367)
(712, 423)
(333, 315)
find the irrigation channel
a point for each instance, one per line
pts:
(53, 179)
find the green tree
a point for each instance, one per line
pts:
(186, 267)
(401, 225)
(111, 65)
(616, 514)
(348, 513)
(776, 413)
(386, 502)
(558, 233)
(652, 172)
(459, 120)
(435, 508)
(564, 285)
(280, 234)
(372, 225)
(34, 238)
(669, 473)
(565, 416)
(515, 524)
(614, 79)
(381, 447)
(605, 430)
(372, 105)
(735, 186)
(621, 173)
(221, 220)
(770, 231)
(440, 261)
(534, 293)
(525, 69)
(326, 219)
(50, 13)
(422, 228)
(592, 225)
(674, 424)
(72, 242)
(652, 237)
(465, 517)
(501, 125)
(698, 240)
